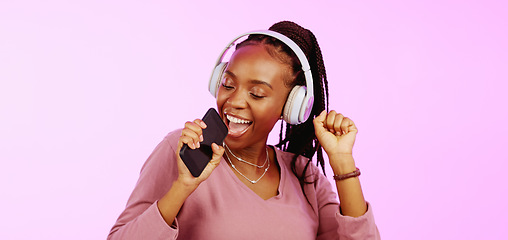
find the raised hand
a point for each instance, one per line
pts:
(337, 135)
(192, 135)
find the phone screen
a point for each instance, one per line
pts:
(215, 132)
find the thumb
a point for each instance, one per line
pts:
(319, 122)
(218, 151)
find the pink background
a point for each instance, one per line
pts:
(89, 88)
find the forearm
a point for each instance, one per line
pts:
(352, 202)
(171, 203)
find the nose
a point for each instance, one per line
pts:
(237, 99)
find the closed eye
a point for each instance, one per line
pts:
(256, 96)
(226, 86)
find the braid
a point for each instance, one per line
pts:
(299, 139)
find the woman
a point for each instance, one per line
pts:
(250, 190)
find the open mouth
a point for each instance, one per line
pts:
(237, 126)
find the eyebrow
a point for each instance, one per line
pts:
(261, 82)
(251, 81)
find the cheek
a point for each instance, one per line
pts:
(271, 112)
(221, 99)
(281, 102)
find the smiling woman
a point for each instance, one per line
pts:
(253, 190)
(252, 91)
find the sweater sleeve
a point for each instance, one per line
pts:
(141, 218)
(334, 225)
(362, 227)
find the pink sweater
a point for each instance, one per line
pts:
(222, 207)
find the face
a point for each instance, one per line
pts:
(252, 95)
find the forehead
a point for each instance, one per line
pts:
(253, 62)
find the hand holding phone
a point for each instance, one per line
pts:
(215, 132)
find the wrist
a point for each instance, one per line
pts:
(342, 163)
(171, 203)
(184, 187)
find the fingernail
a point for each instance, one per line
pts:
(203, 124)
(197, 144)
(201, 138)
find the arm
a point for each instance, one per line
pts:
(334, 225)
(141, 218)
(352, 202)
(337, 134)
(164, 185)
(170, 204)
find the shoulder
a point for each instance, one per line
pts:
(317, 190)
(170, 141)
(301, 163)
(173, 136)
(285, 157)
(164, 153)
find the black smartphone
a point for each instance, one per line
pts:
(215, 132)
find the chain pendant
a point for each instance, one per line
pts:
(241, 174)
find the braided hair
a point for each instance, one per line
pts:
(298, 139)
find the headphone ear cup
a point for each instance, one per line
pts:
(216, 78)
(294, 103)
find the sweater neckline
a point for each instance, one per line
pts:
(282, 177)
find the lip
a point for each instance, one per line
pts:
(232, 118)
(226, 113)
(238, 118)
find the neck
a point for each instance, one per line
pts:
(254, 154)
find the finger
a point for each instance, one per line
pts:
(218, 151)
(201, 123)
(344, 125)
(319, 122)
(348, 125)
(195, 126)
(330, 119)
(193, 136)
(194, 129)
(333, 122)
(339, 119)
(190, 133)
(321, 117)
(189, 141)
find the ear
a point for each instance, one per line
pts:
(215, 80)
(294, 105)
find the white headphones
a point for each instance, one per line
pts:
(299, 103)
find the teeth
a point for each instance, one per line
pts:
(237, 120)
